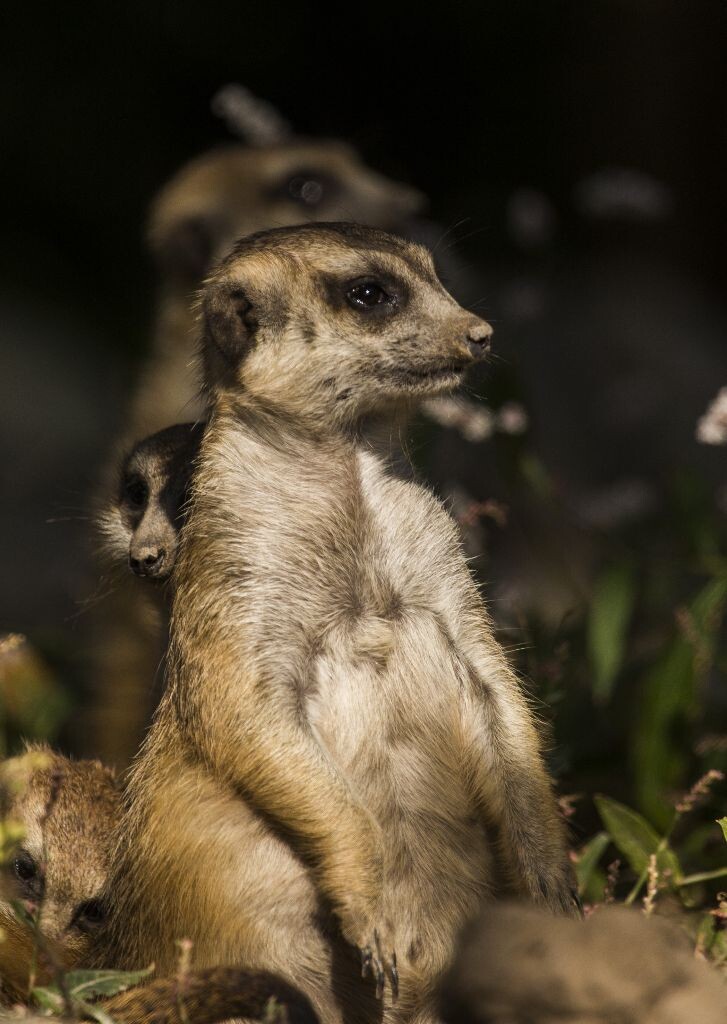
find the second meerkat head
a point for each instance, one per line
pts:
(140, 524)
(332, 322)
(236, 189)
(63, 815)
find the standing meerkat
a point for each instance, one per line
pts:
(65, 813)
(340, 731)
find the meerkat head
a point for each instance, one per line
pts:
(61, 816)
(333, 322)
(235, 190)
(143, 520)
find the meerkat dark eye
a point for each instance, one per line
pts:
(308, 191)
(136, 492)
(367, 295)
(90, 915)
(25, 867)
(307, 187)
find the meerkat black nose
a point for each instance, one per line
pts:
(478, 339)
(148, 562)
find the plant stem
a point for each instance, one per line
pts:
(703, 876)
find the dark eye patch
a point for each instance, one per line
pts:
(28, 873)
(90, 915)
(366, 295)
(135, 492)
(375, 296)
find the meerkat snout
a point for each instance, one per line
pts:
(147, 560)
(479, 339)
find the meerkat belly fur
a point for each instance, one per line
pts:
(65, 813)
(341, 730)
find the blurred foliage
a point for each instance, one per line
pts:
(617, 626)
(33, 700)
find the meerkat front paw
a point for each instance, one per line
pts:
(378, 961)
(558, 892)
(374, 937)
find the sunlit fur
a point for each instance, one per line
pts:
(67, 812)
(343, 751)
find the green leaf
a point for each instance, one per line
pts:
(608, 621)
(722, 822)
(668, 700)
(635, 838)
(706, 931)
(719, 947)
(94, 1010)
(88, 984)
(49, 999)
(588, 859)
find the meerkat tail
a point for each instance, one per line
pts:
(207, 996)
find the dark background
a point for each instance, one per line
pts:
(611, 329)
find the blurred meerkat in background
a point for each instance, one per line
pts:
(60, 818)
(274, 180)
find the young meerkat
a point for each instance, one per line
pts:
(138, 517)
(140, 524)
(65, 813)
(341, 730)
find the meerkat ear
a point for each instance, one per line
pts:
(229, 320)
(184, 250)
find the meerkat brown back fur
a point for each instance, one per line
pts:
(343, 757)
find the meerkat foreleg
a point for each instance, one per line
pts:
(271, 755)
(509, 781)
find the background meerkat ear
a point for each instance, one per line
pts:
(229, 320)
(184, 250)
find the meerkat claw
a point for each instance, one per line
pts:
(384, 966)
(371, 967)
(380, 979)
(394, 976)
(367, 957)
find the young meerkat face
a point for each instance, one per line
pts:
(66, 813)
(335, 321)
(142, 524)
(235, 190)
